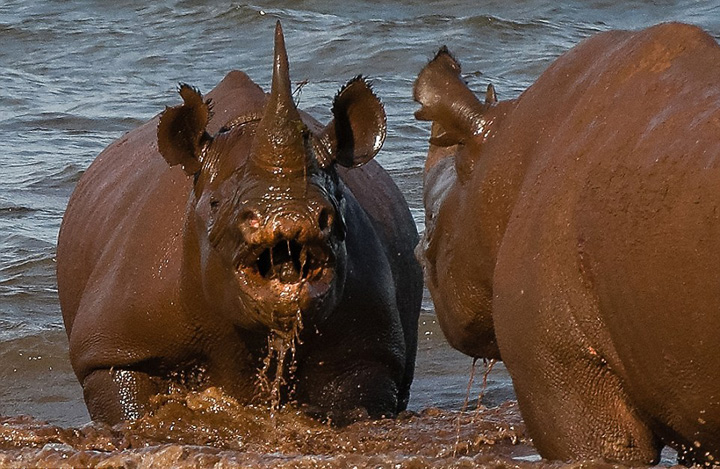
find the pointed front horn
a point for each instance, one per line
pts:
(281, 101)
(279, 141)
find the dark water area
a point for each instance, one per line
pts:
(76, 75)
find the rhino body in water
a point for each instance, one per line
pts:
(225, 221)
(574, 232)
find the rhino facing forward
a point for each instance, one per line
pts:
(574, 232)
(192, 238)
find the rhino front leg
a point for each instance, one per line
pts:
(365, 390)
(115, 395)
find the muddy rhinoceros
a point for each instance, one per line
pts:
(197, 243)
(574, 232)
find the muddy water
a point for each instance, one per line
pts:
(209, 429)
(77, 74)
(468, 422)
(279, 365)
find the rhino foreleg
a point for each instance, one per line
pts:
(114, 395)
(367, 390)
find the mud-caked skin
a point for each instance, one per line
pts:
(230, 217)
(574, 232)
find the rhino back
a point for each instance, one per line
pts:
(385, 205)
(128, 193)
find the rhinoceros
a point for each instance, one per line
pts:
(195, 243)
(574, 233)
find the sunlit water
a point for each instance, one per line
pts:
(78, 74)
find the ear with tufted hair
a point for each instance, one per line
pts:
(181, 132)
(358, 129)
(446, 100)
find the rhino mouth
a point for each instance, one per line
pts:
(287, 262)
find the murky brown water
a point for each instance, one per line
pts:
(279, 366)
(210, 429)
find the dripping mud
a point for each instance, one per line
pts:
(281, 353)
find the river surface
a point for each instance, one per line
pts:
(76, 75)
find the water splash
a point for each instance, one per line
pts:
(488, 365)
(210, 429)
(280, 364)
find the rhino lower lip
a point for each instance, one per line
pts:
(286, 262)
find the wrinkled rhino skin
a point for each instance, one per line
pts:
(192, 237)
(574, 232)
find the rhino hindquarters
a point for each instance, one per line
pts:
(574, 404)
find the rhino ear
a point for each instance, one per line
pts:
(446, 100)
(358, 129)
(181, 132)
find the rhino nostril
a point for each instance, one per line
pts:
(324, 219)
(249, 217)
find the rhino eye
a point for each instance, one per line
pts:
(214, 204)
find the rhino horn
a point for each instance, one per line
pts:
(279, 144)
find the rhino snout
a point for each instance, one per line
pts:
(258, 229)
(290, 261)
(289, 249)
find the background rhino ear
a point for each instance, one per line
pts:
(446, 100)
(358, 129)
(181, 132)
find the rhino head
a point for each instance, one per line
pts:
(461, 124)
(268, 208)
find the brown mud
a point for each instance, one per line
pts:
(281, 353)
